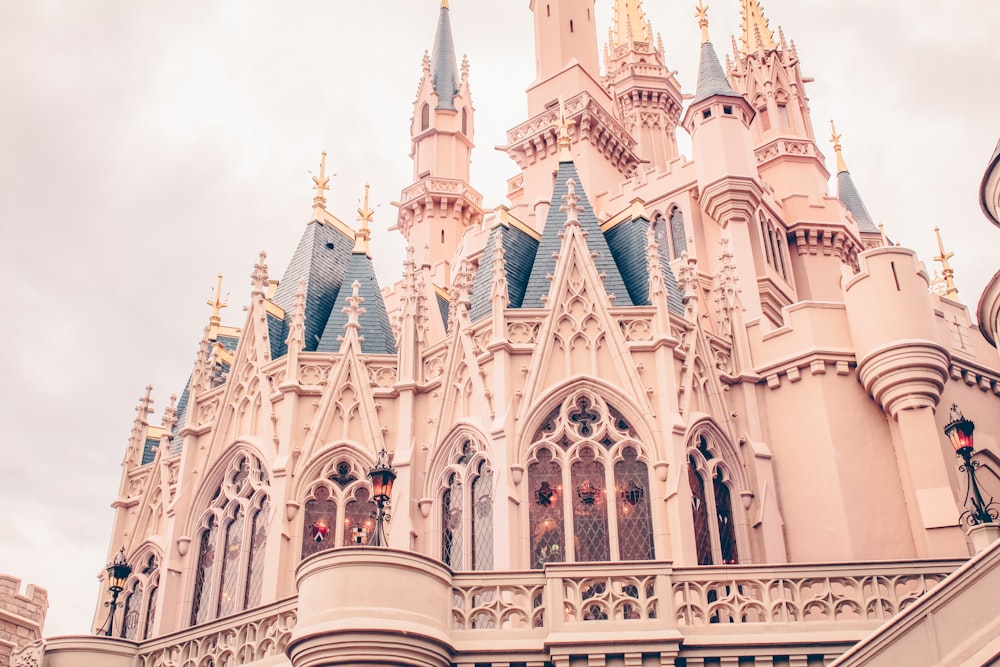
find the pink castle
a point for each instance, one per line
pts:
(655, 410)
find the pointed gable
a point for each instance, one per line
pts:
(375, 329)
(548, 247)
(321, 258)
(519, 249)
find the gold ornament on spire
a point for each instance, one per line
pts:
(630, 23)
(217, 305)
(444, 4)
(364, 234)
(322, 184)
(947, 273)
(835, 140)
(564, 141)
(701, 11)
(756, 33)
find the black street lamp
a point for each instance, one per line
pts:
(118, 572)
(959, 430)
(382, 475)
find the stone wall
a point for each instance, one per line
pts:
(21, 616)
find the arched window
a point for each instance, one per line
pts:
(467, 512)
(425, 117)
(586, 464)
(465, 121)
(338, 509)
(715, 529)
(139, 604)
(229, 571)
(677, 234)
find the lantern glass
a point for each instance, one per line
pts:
(959, 430)
(382, 480)
(118, 572)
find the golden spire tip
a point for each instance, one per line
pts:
(564, 141)
(835, 140)
(947, 273)
(362, 237)
(701, 12)
(321, 184)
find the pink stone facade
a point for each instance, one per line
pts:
(715, 438)
(22, 616)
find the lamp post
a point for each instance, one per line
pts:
(382, 475)
(118, 572)
(959, 430)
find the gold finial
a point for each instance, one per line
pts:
(630, 23)
(835, 140)
(444, 4)
(701, 11)
(564, 141)
(885, 239)
(362, 237)
(217, 305)
(322, 184)
(756, 33)
(947, 272)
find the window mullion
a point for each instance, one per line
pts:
(611, 506)
(569, 526)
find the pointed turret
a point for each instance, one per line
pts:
(360, 283)
(848, 193)
(646, 92)
(436, 209)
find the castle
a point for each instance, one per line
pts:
(657, 410)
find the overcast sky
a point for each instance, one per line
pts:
(147, 146)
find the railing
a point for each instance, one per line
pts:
(234, 640)
(689, 598)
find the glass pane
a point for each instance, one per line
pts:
(229, 588)
(358, 522)
(255, 568)
(482, 520)
(590, 516)
(635, 524)
(724, 510)
(200, 608)
(677, 233)
(545, 511)
(699, 512)
(130, 612)
(147, 631)
(319, 523)
(451, 525)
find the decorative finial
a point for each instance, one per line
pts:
(701, 11)
(217, 305)
(947, 272)
(564, 141)
(444, 4)
(835, 140)
(426, 63)
(630, 23)
(322, 184)
(364, 234)
(259, 276)
(757, 36)
(571, 208)
(354, 309)
(885, 239)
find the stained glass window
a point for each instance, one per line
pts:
(545, 510)
(724, 513)
(699, 514)
(677, 233)
(715, 525)
(147, 631)
(320, 522)
(237, 546)
(482, 519)
(635, 521)
(359, 526)
(451, 524)
(131, 611)
(589, 448)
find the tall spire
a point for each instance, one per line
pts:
(444, 64)
(701, 11)
(217, 305)
(321, 184)
(947, 273)
(848, 193)
(712, 78)
(756, 33)
(630, 23)
(563, 124)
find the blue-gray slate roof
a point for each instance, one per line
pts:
(149, 450)
(519, 249)
(444, 64)
(321, 258)
(712, 78)
(443, 307)
(627, 241)
(551, 244)
(848, 194)
(375, 329)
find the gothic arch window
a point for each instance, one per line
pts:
(589, 486)
(425, 117)
(337, 509)
(677, 234)
(716, 523)
(467, 511)
(465, 122)
(775, 246)
(231, 543)
(139, 604)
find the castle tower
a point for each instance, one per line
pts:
(646, 91)
(719, 121)
(850, 197)
(767, 74)
(440, 204)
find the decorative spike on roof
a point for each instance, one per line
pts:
(848, 193)
(444, 64)
(835, 140)
(563, 124)
(259, 278)
(217, 305)
(712, 78)
(947, 273)
(630, 23)
(364, 234)
(757, 34)
(701, 12)
(321, 183)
